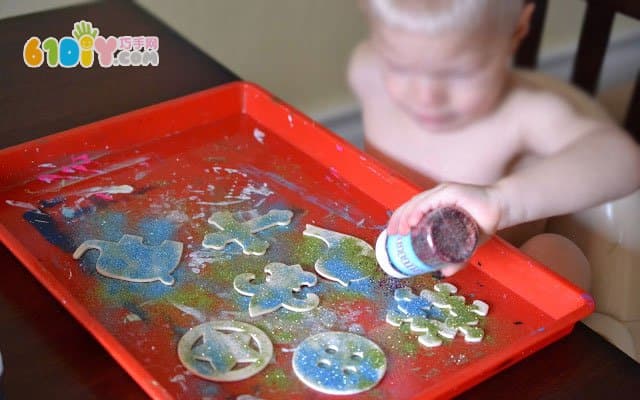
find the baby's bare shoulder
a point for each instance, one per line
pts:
(552, 116)
(545, 94)
(533, 101)
(363, 72)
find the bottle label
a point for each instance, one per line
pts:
(404, 259)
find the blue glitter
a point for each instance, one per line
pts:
(130, 260)
(49, 229)
(347, 259)
(339, 363)
(48, 203)
(365, 287)
(241, 232)
(112, 226)
(280, 290)
(68, 212)
(336, 266)
(156, 230)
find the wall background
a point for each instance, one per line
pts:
(298, 49)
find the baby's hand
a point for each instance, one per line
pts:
(481, 202)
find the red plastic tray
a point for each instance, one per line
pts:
(186, 158)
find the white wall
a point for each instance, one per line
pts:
(298, 49)
(11, 8)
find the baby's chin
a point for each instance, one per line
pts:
(443, 124)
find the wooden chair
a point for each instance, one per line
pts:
(609, 234)
(592, 46)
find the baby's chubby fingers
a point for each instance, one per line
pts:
(451, 269)
(440, 196)
(396, 220)
(478, 201)
(401, 220)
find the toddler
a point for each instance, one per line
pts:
(441, 103)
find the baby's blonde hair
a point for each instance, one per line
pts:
(437, 16)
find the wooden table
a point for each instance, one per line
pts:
(48, 354)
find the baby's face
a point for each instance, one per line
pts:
(443, 81)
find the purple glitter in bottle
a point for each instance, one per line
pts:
(446, 235)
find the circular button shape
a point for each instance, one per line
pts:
(225, 351)
(339, 363)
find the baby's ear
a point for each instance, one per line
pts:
(524, 23)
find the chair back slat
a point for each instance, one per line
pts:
(592, 46)
(527, 55)
(632, 121)
(630, 8)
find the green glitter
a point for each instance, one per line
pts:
(334, 298)
(347, 258)
(308, 250)
(350, 250)
(290, 316)
(193, 296)
(283, 337)
(409, 347)
(405, 328)
(375, 357)
(489, 339)
(277, 334)
(224, 272)
(401, 343)
(377, 394)
(121, 297)
(277, 378)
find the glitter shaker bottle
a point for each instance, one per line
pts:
(446, 235)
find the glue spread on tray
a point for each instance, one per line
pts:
(242, 233)
(339, 363)
(278, 290)
(216, 350)
(130, 260)
(437, 314)
(335, 265)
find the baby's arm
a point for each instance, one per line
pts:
(580, 163)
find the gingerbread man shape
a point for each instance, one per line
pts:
(278, 290)
(242, 233)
